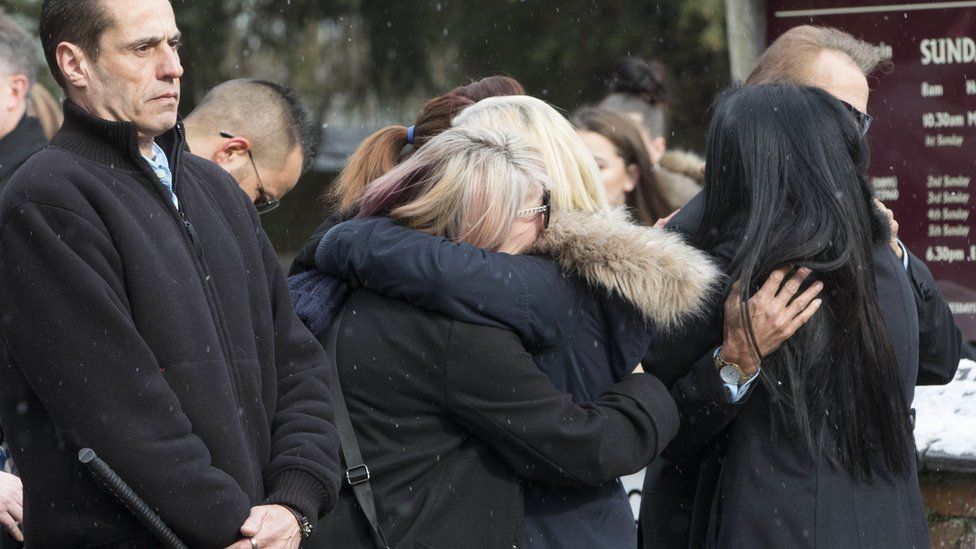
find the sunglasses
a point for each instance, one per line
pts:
(863, 119)
(545, 208)
(264, 203)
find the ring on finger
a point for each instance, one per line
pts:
(254, 544)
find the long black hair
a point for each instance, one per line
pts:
(786, 175)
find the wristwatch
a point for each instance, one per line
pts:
(304, 524)
(730, 372)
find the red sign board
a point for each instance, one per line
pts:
(923, 138)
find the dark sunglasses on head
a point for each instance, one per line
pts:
(863, 119)
(264, 203)
(545, 208)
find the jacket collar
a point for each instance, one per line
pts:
(667, 280)
(107, 142)
(18, 145)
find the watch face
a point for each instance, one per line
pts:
(729, 374)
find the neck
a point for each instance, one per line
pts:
(146, 144)
(12, 121)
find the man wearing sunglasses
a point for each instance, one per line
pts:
(259, 132)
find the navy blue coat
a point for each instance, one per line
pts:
(583, 340)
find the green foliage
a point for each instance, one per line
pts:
(373, 62)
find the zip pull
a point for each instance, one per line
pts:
(197, 245)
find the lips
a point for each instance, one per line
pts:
(165, 96)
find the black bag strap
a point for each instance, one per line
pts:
(357, 473)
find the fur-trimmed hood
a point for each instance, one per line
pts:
(679, 177)
(667, 280)
(684, 163)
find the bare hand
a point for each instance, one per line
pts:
(271, 527)
(660, 223)
(775, 317)
(11, 504)
(893, 225)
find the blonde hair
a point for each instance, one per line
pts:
(574, 178)
(465, 184)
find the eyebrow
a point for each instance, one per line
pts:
(152, 40)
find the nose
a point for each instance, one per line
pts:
(169, 64)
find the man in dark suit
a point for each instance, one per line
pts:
(678, 488)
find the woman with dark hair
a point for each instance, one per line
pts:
(821, 454)
(625, 168)
(639, 90)
(389, 146)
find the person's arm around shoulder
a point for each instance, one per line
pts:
(718, 384)
(494, 388)
(527, 294)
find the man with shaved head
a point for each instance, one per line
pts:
(143, 315)
(259, 132)
(679, 488)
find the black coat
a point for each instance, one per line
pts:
(450, 416)
(773, 496)
(582, 337)
(163, 340)
(17, 146)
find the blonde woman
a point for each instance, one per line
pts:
(583, 310)
(451, 417)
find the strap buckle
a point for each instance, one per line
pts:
(357, 474)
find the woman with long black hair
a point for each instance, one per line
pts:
(821, 454)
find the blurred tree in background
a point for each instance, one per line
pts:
(367, 64)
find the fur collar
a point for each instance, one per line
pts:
(667, 280)
(686, 163)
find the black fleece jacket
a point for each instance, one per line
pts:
(162, 339)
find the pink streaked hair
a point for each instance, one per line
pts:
(466, 184)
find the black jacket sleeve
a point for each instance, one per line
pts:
(526, 294)
(304, 469)
(939, 339)
(495, 389)
(102, 385)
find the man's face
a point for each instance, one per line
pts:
(277, 183)
(838, 75)
(136, 77)
(267, 179)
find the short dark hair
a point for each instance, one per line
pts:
(17, 52)
(80, 22)
(301, 121)
(269, 114)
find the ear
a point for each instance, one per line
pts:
(232, 151)
(658, 146)
(13, 92)
(19, 89)
(633, 177)
(74, 64)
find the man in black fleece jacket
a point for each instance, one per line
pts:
(143, 314)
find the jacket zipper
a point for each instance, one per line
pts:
(210, 291)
